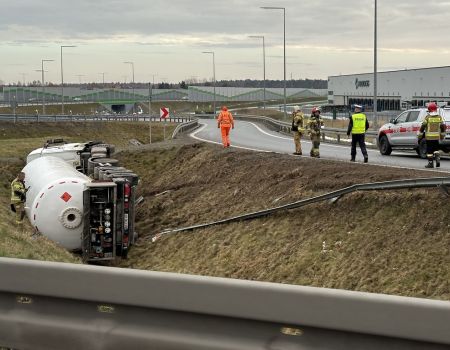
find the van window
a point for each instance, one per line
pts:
(412, 116)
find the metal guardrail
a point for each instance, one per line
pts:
(335, 133)
(45, 305)
(328, 134)
(185, 127)
(387, 185)
(94, 117)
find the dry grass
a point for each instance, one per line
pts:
(389, 242)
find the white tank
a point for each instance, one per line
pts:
(54, 202)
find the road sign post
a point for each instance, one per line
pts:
(164, 114)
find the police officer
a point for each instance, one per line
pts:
(298, 129)
(315, 124)
(358, 126)
(434, 128)
(18, 196)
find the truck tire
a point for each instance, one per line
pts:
(385, 147)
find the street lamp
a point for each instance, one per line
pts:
(43, 85)
(79, 78)
(375, 67)
(264, 65)
(132, 71)
(62, 78)
(284, 48)
(103, 74)
(214, 77)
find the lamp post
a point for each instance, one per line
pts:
(264, 66)
(103, 74)
(284, 48)
(375, 66)
(214, 77)
(132, 71)
(23, 87)
(79, 78)
(62, 77)
(43, 84)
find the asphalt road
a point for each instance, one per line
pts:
(256, 137)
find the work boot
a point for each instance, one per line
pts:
(437, 158)
(430, 164)
(366, 159)
(352, 159)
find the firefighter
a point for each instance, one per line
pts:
(433, 130)
(225, 122)
(298, 129)
(358, 126)
(18, 196)
(315, 124)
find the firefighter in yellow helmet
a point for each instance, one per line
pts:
(315, 124)
(433, 129)
(18, 196)
(298, 129)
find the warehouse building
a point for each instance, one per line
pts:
(396, 90)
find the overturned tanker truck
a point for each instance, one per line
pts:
(81, 198)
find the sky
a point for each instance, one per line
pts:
(165, 39)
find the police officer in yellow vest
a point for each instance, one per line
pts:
(18, 196)
(358, 126)
(434, 128)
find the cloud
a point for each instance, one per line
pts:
(326, 36)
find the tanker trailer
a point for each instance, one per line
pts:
(70, 204)
(54, 203)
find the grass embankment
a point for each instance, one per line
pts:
(394, 242)
(17, 140)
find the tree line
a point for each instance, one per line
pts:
(247, 83)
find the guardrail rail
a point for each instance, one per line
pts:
(45, 305)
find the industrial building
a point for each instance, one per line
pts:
(396, 90)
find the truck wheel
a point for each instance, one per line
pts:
(422, 150)
(385, 147)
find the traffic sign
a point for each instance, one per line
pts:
(164, 113)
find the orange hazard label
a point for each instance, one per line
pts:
(66, 197)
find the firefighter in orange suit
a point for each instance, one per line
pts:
(225, 122)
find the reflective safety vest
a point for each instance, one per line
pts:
(17, 191)
(225, 119)
(359, 123)
(433, 127)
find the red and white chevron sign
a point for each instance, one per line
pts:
(164, 112)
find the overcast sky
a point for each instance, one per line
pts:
(166, 38)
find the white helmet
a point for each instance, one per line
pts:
(296, 108)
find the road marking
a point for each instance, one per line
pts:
(193, 135)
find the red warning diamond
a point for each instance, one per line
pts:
(66, 197)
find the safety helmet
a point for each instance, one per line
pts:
(315, 109)
(296, 108)
(224, 108)
(357, 106)
(432, 107)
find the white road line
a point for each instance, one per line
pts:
(193, 135)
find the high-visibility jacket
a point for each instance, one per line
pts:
(359, 123)
(17, 191)
(225, 119)
(433, 125)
